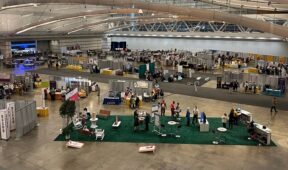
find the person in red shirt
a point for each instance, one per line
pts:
(172, 107)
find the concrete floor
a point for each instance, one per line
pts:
(38, 151)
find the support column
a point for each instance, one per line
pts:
(5, 48)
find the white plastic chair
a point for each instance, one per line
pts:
(77, 124)
(99, 133)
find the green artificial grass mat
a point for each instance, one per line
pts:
(189, 135)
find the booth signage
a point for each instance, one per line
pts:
(11, 113)
(4, 123)
(71, 93)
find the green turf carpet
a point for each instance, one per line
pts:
(189, 135)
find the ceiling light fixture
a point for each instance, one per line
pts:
(19, 6)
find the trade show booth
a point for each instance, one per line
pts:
(19, 115)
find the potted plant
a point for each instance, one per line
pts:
(67, 131)
(67, 111)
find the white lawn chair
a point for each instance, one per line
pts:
(77, 124)
(99, 133)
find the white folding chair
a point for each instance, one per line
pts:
(77, 124)
(99, 133)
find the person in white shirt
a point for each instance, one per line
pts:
(195, 115)
(224, 120)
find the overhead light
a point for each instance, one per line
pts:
(274, 38)
(30, 28)
(27, 15)
(75, 31)
(238, 37)
(19, 6)
(140, 11)
(152, 14)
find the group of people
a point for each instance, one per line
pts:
(138, 120)
(231, 119)
(272, 69)
(234, 85)
(195, 113)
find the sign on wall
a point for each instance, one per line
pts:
(11, 113)
(4, 124)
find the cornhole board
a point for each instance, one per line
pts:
(73, 144)
(150, 148)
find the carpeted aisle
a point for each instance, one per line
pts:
(189, 135)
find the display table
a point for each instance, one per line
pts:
(58, 96)
(252, 70)
(222, 129)
(273, 92)
(112, 100)
(244, 116)
(93, 123)
(204, 127)
(116, 125)
(42, 111)
(107, 72)
(263, 135)
(127, 101)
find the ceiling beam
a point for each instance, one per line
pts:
(177, 10)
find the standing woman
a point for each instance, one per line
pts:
(188, 117)
(231, 118)
(163, 108)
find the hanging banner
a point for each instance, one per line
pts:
(269, 58)
(282, 60)
(4, 124)
(11, 113)
(72, 94)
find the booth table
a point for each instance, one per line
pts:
(244, 116)
(107, 72)
(127, 101)
(93, 123)
(112, 100)
(172, 125)
(204, 127)
(272, 92)
(42, 111)
(263, 135)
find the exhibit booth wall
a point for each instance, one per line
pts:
(25, 116)
(276, 48)
(138, 87)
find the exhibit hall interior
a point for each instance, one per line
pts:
(143, 84)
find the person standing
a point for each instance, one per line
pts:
(136, 120)
(163, 107)
(224, 120)
(147, 120)
(231, 119)
(137, 102)
(188, 117)
(195, 115)
(273, 107)
(172, 108)
(97, 89)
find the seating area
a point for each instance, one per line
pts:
(106, 132)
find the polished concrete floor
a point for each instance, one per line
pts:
(37, 150)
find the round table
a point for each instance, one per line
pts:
(172, 123)
(221, 129)
(93, 123)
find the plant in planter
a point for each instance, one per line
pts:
(67, 111)
(67, 131)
